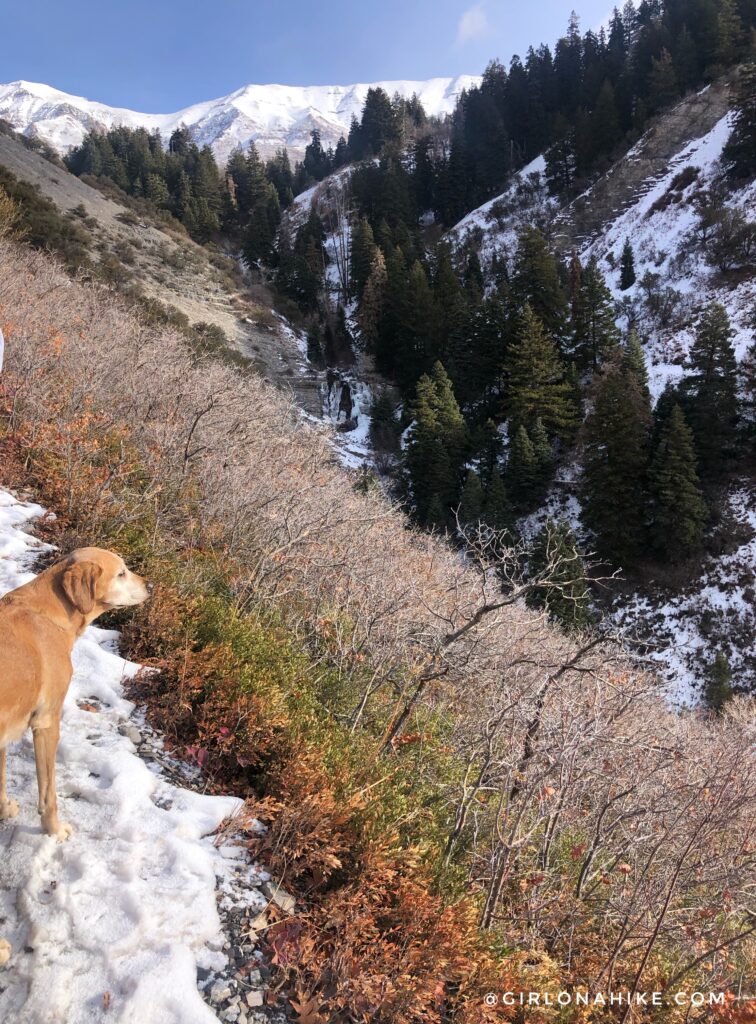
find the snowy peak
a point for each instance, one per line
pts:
(272, 116)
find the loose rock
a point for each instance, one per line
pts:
(282, 899)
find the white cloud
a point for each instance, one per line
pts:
(472, 24)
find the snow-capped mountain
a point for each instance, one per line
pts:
(270, 115)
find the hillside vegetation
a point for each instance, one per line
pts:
(471, 800)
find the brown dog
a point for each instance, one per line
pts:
(39, 623)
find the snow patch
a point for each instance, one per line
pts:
(125, 911)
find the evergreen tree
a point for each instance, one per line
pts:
(605, 127)
(279, 173)
(710, 391)
(264, 218)
(729, 33)
(316, 164)
(183, 203)
(678, 508)
(355, 140)
(380, 125)
(686, 60)
(471, 503)
(485, 329)
(544, 455)
(363, 250)
(373, 301)
(566, 598)
(634, 360)
(615, 464)
(156, 191)
(436, 446)
(595, 332)
(487, 445)
(740, 152)
(384, 427)
(522, 469)
(627, 267)
(560, 158)
(394, 311)
(497, 510)
(536, 282)
(719, 683)
(415, 339)
(437, 517)
(662, 82)
(537, 386)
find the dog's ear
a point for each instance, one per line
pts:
(80, 583)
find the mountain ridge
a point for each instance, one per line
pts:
(272, 116)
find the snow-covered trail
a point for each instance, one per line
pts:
(111, 925)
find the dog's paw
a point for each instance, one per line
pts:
(5, 952)
(59, 830)
(8, 808)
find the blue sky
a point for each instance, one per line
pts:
(161, 55)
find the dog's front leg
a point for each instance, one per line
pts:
(8, 807)
(45, 746)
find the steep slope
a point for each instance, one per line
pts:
(653, 198)
(270, 115)
(168, 266)
(649, 160)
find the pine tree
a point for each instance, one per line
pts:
(678, 508)
(710, 391)
(729, 33)
(487, 446)
(436, 446)
(634, 360)
(537, 386)
(662, 82)
(373, 301)
(497, 510)
(384, 427)
(595, 332)
(561, 158)
(615, 464)
(157, 191)
(415, 339)
(740, 151)
(566, 599)
(627, 267)
(279, 173)
(536, 282)
(380, 125)
(486, 328)
(686, 59)
(522, 469)
(183, 203)
(471, 502)
(719, 683)
(260, 234)
(544, 455)
(436, 517)
(605, 129)
(363, 250)
(316, 163)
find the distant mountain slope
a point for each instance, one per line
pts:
(270, 115)
(168, 266)
(653, 198)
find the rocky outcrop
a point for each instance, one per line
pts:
(636, 173)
